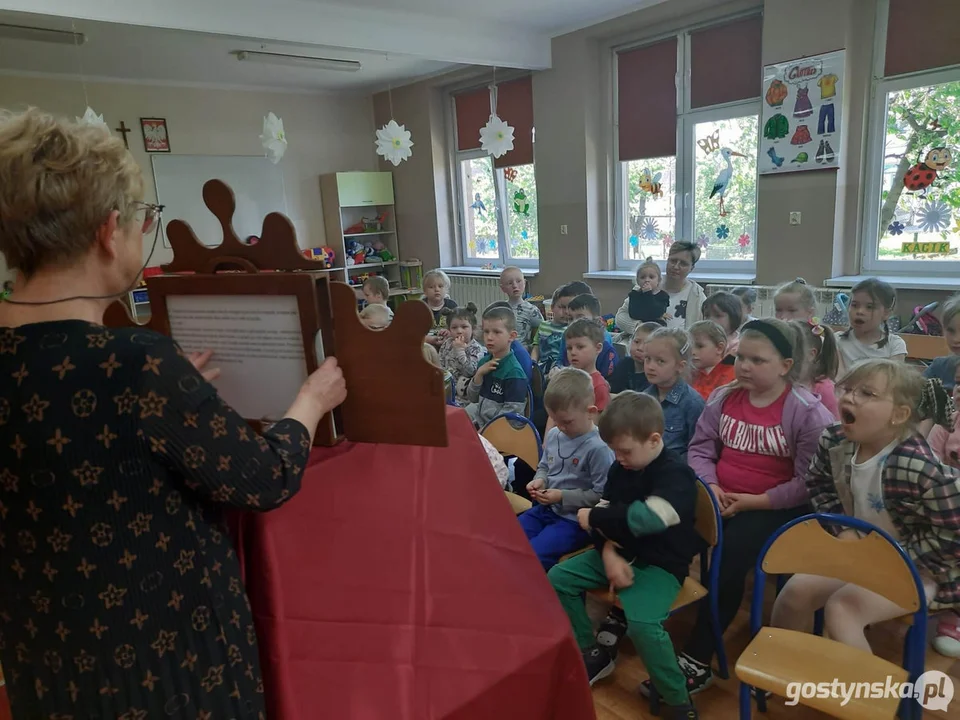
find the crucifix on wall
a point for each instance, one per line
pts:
(123, 129)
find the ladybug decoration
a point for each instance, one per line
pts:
(923, 174)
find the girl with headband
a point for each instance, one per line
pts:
(752, 446)
(822, 361)
(876, 466)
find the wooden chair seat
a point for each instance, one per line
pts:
(777, 657)
(517, 504)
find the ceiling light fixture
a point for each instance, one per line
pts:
(304, 61)
(38, 34)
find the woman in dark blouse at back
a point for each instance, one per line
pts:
(120, 593)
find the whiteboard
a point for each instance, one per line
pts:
(257, 185)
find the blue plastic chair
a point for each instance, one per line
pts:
(876, 562)
(523, 357)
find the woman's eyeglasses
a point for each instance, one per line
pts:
(151, 214)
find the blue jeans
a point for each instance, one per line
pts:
(551, 536)
(825, 123)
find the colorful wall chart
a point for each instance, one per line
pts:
(800, 123)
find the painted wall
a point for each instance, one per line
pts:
(327, 133)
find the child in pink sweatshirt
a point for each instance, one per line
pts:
(753, 446)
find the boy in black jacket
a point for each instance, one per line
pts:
(644, 537)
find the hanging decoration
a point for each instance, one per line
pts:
(273, 139)
(896, 228)
(524, 234)
(478, 205)
(496, 137)
(521, 205)
(651, 183)
(922, 175)
(649, 229)
(710, 142)
(722, 182)
(634, 242)
(703, 240)
(510, 174)
(723, 232)
(393, 143)
(743, 240)
(934, 216)
(91, 118)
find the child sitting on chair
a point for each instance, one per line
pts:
(549, 339)
(376, 290)
(587, 307)
(572, 470)
(712, 366)
(431, 355)
(513, 285)
(876, 467)
(644, 541)
(945, 367)
(436, 294)
(500, 385)
(647, 302)
(376, 317)
(628, 375)
(460, 352)
(584, 342)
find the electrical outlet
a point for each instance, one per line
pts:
(563, 229)
(794, 218)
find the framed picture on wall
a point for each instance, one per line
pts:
(155, 138)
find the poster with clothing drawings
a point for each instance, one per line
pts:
(802, 105)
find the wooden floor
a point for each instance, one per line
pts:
(616, 697)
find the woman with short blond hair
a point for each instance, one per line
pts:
(120, 592)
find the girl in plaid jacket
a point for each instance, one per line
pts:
(875, 466)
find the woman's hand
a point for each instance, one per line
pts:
(325, 387)
(199, 360)
(583, 518)
(321, 393)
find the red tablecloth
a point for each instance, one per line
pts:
(398, 585)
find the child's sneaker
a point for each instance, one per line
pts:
(598, 662)
(947, 641)
(682, 712)
(699, 676)
(612, 630)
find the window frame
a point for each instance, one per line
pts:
(687, 119)
(870, 261)
(502, 209)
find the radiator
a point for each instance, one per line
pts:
(764, 305)
(476, 289)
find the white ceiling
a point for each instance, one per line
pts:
(124, 52)
(190, 41)
(548, 16)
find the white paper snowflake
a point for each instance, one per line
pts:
(934, 216)
(496, 137)
(393, 143)
(273, 138)
(90, 117)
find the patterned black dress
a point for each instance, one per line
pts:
(120, 592)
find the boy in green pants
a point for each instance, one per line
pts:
(644, 539)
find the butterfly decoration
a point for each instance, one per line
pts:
(710, 142)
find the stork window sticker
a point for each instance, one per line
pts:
(802, 107)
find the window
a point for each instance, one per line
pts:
(497, 198)
(912, 202)
(675, 145)
(498, 210)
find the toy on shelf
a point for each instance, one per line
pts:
(411, 273)
(367, 225)
(380, 250)
(324, 255)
